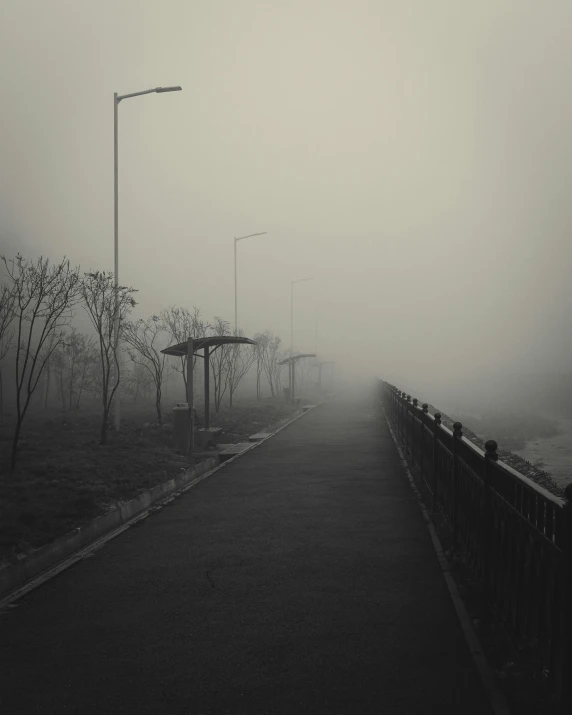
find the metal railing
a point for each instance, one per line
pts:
(515, 536)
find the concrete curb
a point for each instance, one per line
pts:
(497, 700)
(15, 577)
(40, 566)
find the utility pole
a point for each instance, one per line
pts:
(300, 280)
(116, 99)
(236, 240)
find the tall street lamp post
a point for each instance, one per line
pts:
(293, 283)
(236, 240)
(116, 99)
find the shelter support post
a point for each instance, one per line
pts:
(190, 396)
(207, 386)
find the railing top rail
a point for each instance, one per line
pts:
(544, 493)
(530, 484)
(472, 446)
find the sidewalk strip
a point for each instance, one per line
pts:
(99, 543)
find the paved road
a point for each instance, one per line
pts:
(300, 579)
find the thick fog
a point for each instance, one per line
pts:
(413, 157)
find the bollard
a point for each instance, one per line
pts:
(181, 427)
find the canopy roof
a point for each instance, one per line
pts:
(296, 357)
(213, 341)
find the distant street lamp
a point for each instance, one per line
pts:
(293, 283)
(236, 240)
(116, 99)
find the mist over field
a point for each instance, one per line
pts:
(413, 158)
(324, 213)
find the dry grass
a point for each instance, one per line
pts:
(65, 478)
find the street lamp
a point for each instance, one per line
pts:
(300, 280)
(116, 99)
(236, 240)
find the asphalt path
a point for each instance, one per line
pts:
(299, 579)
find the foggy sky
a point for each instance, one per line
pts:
(413, 156)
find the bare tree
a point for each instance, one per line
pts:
(271, 357)
(220, 362)
(7, 299)
(181, 324)
(46, 379)
(240, 359)
(305, 376)
(44, 297)
(145, 337)
(72, 361)
(88, 363)
(58, 362)
(260, 349)
(94, 377)
(98, 295)
(137, 382)
(169, 377)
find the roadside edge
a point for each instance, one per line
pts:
(19, 579)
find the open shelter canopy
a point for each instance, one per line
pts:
(212, 343)
(291, 362)
(207, 345)
(294, 358)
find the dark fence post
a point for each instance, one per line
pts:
(436, 428)
(478, 517)
(425, 409)
(490, 456)
(414, 410)
(407, 404)
(457, 435)
(566, 608)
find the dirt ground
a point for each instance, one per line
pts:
(64, 477)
